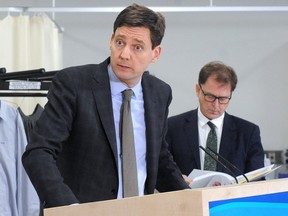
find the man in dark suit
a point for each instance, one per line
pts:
(74, 155)
(238, 140)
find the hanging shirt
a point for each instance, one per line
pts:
(29, 121)
(17, 195)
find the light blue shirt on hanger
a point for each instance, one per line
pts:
(17, 195)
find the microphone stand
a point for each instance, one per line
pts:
(222, 164)
(229, 163)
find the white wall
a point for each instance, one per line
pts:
(255, 44)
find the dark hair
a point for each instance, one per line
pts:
(140, 16)
(223, 73)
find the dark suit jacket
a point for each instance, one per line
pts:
(240, 143)
(76, 129)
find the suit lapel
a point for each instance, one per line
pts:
(151, 116)
(102, 93)
(227, 138)
(190, 129)
(154, 126)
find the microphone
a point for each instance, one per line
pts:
(229, 163)
(222, 164)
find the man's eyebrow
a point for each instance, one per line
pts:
(134, 39)
(120, 36)
(139, 41)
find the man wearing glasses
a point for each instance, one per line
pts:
(236, 139)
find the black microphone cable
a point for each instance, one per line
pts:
(229, 163)
(222, 164)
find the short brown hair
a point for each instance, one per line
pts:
(223, 73)
(140, 16)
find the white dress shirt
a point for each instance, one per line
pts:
(204, 130)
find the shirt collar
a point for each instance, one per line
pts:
(3, 110)
(117, 86)
(203, 120)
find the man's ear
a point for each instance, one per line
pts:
(156, 53)
(111, 39)
(197, 88)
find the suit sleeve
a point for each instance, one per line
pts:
(50, 133)
(255, 153)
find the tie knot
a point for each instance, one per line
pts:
(211, 125)
(127, 94)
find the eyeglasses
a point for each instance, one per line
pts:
(212, 98)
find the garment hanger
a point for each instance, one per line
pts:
(37, 80)
(20, 75)
(2, 70)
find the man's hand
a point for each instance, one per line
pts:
(187, 180)
(216, 184)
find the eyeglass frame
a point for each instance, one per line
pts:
(213, 97)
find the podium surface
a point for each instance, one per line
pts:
(196, 202)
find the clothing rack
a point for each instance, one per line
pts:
(27, 81)
(205, 8)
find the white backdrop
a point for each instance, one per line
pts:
(255, 44)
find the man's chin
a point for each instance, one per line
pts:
(214, 115)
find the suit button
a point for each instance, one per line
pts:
(113, 192)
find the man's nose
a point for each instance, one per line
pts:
(126, 53)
